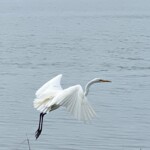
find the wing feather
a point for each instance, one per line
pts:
(47, 92)
(76, 103)
(51, 85)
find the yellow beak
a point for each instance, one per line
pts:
(104, 80)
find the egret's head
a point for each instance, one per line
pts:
(96, 80)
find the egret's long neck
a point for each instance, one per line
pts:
(88, 86)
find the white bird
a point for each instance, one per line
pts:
(51, 96)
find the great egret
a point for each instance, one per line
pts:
(51, 96)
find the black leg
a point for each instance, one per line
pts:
(39, 130)
(37, 133)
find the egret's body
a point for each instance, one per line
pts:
(51, 96)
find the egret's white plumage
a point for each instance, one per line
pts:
(51, 96)
(47, 92)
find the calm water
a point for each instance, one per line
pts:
(82, 40)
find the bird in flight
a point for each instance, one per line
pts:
(51, 96)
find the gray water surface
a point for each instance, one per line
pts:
(82, 40)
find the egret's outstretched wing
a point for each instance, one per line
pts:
(74, 100)
(47, 92)
(51, 85)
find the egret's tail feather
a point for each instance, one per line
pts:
(40, 104)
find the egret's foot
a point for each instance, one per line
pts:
(37, 133)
